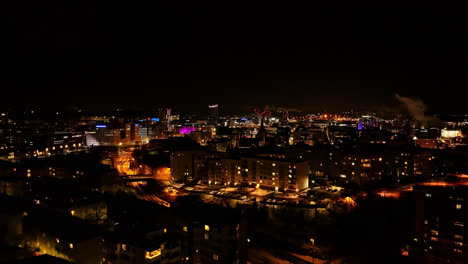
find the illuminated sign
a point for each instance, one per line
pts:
(155, 119)
(213, 106)
(101, 126)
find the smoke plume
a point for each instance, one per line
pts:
(415, 106)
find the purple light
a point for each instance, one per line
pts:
(186, 130)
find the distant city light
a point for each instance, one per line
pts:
(186, 130)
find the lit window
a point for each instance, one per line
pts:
(215, 257)
(434, 239)
(207, 236)
(124, 247)
(165, 230)
(435, 232)
(428, 195)
(459, 206)
(207, 228)
(456, 250)
(459, 237)
(274, 164)
(71, 245)
(185, 229)
(153, 254)
(460, 244)
(72, 212)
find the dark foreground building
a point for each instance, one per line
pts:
(440, 219)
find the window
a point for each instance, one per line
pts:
(207, 236)
(185, 229)
(215, 257)
(428, 195)
(435, 232)
(456, 250)
(153, 254)
(207, 228)
(434, 239)
(459, 206)
(71, 245)
(458, 237)
(460, 244)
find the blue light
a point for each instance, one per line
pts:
(244, 119)
(155, 119)
(101, 126)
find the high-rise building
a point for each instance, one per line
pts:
(165, 119)
(440, 218)
(213, 114)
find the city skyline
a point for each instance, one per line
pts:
(218, 132)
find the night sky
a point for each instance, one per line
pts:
(295, 55)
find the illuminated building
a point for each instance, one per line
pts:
(269, 173)
(165, 119)
(440, 224)
(104, 136)
(132, 132)
(113, 136)
(146, 133)
(450, 133)
(213, 115)
(186, 130)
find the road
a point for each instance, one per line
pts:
(143, 194)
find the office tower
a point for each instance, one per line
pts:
(213, 114)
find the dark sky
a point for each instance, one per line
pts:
(298, 55)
